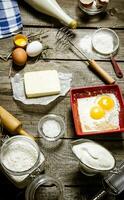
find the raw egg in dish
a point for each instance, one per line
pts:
(96, 112)
(106, 102)
(99, 113)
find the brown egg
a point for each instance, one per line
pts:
(19, 56)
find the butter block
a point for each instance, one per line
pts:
(41, 83)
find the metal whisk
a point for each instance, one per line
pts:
(65, 38)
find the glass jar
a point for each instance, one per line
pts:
(22, 162)
(91, 163)
(51, 127)
(94, 7)
(20, 157)
(36, 188)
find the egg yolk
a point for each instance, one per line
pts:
(20, 42)
(97, 112)
(106, 102)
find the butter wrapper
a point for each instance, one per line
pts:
(17, 83)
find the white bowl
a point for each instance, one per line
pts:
(51, 127)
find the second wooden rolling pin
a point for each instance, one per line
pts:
(12, 124)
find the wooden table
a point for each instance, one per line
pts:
(60, 162)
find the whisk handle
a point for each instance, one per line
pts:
(106, 77)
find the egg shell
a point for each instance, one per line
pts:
(19, 56)
(103, 2)
(86, 3)
(20, 40)
(34, 48)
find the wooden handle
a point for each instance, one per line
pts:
(8, 120)
(12, 124)
(23, 132)
(116, 67)
(107, 78)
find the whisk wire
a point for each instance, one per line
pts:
(64, 36)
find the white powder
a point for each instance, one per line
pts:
(103, 43)
(94, 156)
(85, 44)
(20, 156)
(51, 128)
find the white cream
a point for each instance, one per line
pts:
(94, 156)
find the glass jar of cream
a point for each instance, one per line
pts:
(93, 158)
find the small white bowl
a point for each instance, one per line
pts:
(51, 127)
(100, 43)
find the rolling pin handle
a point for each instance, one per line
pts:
(23, 132)
(12, 124)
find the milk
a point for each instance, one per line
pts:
(51, 7)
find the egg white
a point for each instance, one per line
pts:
(108, 122)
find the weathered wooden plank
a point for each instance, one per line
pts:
(70, 192)
(113, 18)
(57, 51)
(76, 185)
(30, 116)
(60, 154)
(61, 163)
(81, 74)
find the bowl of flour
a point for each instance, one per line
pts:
(105, 41)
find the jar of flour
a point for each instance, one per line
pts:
(22, 161)
(20, 158)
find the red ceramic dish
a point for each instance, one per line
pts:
(84, 92)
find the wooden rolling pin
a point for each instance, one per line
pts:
(12, 124)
